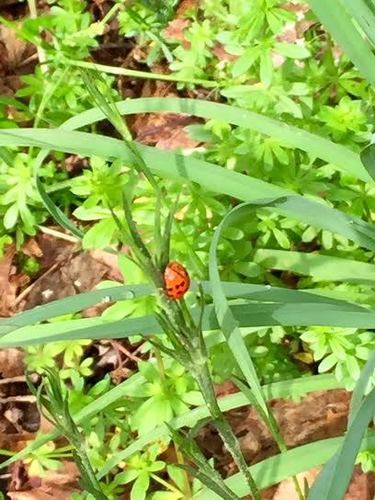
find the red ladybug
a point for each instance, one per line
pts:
(176, 280)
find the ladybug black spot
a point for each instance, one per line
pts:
(183, 284)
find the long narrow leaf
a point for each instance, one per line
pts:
(360, 388)
(250, 314)
(339, 23)
(332, 482)
(207, 175)
(79, 302)
(320, 267)
(368, 159)
(339, 156)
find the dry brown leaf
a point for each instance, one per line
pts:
(32, 249)
(11, 363)
(175, 31)
(222, 54)
(167, 131)
(15, 47)
(109, 260)
(362, 486)
(292, 7)
(178, 139)
(286, 489)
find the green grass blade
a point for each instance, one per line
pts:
(279, 467)
(251, 314)
(207, 175)
(54, 211)
(79, 302)
(336, 154)
(334, 16)
(368, 159)
(286, 389)
(332, 482)
(360, 387)
(226, 320)
(364, 14)
(320, 267)
(73, 304)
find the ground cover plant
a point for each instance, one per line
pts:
(244, 239)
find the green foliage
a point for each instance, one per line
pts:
(162, 395)
(346, 350)
(272, 359)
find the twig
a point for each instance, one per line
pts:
(18, 399)
(58, 234)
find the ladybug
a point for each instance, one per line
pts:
(176, 280)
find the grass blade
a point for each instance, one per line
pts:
(368, 159)
(73, 304)
(335, 17)
(320, 267)
(360, 387)
(246, 315)
(207, 175)
(332, 482)
(340, 156)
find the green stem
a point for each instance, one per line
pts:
(181, 461)
(164, 483)
(160, 363)
(205, 383)
(140, 74)
(110, 14)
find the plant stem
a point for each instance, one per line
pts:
(160, 363)
(164, 483)
(110, 14)
(139, 74)
(204, 380)
(181, 461)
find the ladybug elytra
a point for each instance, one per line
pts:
(176, 280)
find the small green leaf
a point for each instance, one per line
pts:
(140, 487)
(292, 50)
(100, 234)
(266, 68)
(10, 217)
(327, 363)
